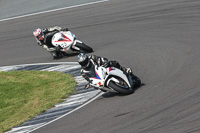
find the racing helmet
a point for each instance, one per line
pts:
(38, 34)
(83, 60)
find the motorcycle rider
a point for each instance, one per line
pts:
(44, 37)
(87, 62)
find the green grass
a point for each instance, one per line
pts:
(24, 94)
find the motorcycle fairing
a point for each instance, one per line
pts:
(118, 73)
(111, 68)
(97, 76)
(63, 39)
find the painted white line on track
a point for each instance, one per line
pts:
(54, 10)
(31, 126)
(35, 64)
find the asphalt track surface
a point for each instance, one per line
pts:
(159, 39)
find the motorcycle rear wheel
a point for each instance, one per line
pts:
(120, 89)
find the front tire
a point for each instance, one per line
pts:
(84, 47)
(136, 81)
(120, 89)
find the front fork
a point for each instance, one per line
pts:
(130, 80)
(74, 44)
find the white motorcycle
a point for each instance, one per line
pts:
(112, 79)
(67, 42)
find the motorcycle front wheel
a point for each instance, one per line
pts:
(84, 47)
(120, 88)
(136, 81)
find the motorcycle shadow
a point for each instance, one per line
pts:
(70, 55)
(112, 94)
(66, 55)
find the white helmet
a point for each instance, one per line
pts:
(38, 34)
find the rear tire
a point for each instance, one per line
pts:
(120, 89)
(84, 47)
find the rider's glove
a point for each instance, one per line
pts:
(107, 64)
(64, 29)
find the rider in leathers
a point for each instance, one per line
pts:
(87, 62)
(44, 37)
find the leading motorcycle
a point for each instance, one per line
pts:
(112, 79)
(67, 41)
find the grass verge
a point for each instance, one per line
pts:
(24, 94)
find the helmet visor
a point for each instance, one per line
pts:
(84, 63)
(40, 36)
